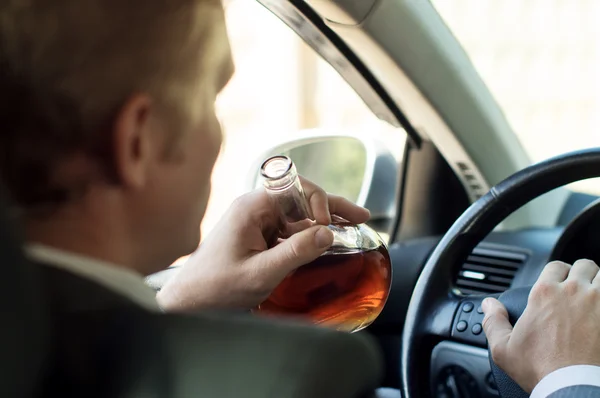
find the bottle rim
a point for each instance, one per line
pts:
(276, 167)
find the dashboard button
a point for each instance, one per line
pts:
(479, 310)
(462, 326)
(468, 307)
(476, 329)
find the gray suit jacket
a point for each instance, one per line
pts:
(577, 392)
(106, 346)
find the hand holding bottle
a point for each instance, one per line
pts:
(238, 264)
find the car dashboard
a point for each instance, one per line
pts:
(460, 365)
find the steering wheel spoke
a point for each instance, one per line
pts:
(439, 323)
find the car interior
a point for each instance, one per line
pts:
(466, 210)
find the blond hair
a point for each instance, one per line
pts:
(68, 66)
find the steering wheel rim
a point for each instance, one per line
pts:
(432, 307)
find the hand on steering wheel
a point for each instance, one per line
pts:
(558, 328)
(433, 306)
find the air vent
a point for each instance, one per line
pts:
(472, 182)
(489, 271)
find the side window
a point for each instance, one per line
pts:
(283, 89)
(540, 59)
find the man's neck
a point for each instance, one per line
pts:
(97, 237)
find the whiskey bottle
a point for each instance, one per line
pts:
(347, 286)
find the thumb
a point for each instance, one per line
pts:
(299, 249)
(497, 328)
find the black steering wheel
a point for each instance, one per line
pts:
(435, 310)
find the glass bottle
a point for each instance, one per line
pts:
(347, 286)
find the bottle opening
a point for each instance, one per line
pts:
(276, 167)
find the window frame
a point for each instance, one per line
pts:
(311, 28)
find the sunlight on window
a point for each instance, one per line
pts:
(541, 61)
(281, 87)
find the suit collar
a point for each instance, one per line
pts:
(120, 280)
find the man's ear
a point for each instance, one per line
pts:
(134, 145)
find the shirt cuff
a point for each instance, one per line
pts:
(567, 377)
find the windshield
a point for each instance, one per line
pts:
(541, 61)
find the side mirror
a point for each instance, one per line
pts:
(360, 169)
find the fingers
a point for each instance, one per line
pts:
(497, 327)
(323, 205)
(295, 227)
(558, 272)
(583, 271)
(298, 250)
(348, 210)
(318, 201)
(554, 272)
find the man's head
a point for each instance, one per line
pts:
(108, 121)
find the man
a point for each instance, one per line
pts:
(109, 140)
(109, 137)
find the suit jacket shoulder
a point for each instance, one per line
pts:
(70, 293)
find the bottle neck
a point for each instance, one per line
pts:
(283, 186)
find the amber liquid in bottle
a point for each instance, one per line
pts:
(346, 288)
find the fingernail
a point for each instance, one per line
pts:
(485, 305)
(323, 238)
